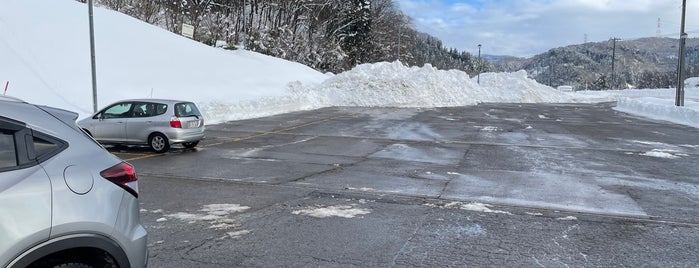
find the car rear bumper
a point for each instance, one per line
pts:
(179, 135)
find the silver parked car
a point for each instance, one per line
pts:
(64, 200)
(153, 122)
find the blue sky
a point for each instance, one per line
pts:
(529, 27)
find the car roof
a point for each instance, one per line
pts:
(10, 98)
(152, 100)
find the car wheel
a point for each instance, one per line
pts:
(159, 143)
(190, 144)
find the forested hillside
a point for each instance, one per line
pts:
(638, 63)
(328, 35)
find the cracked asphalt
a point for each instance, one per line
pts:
(492, 185)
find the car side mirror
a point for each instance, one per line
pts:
(98, 116)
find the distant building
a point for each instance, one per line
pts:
(565, 88)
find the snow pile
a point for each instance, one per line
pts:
(395, 85)
(662, 109)
(518, 88)
(692, 82)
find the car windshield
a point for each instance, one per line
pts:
(186, 109)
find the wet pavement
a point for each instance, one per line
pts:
(488, 185)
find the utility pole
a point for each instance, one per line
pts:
(92, 57)
(479, 64)
(679, 101)
(613, 83)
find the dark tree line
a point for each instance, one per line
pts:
(328, 35)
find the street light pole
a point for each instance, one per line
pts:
(479, 64)
(679, 100)
(243, 41)
(613, 58)
(92, 57)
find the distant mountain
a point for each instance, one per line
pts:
(638, 63)
(494, 58)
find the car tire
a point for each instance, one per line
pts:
(73, 265)
(158, 143)
(190, 144)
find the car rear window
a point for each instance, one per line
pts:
(7, 150)
(186, 109)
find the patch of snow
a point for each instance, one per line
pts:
(490, 128)
(238, 234)
(660, 154)
(363, 189)
(216, 214)
(161, 220)
(184, 216)
(474, 206)
(223, 209)
(534, 213)
(342, 211)
(568, 218)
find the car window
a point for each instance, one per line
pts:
(119, 110)
(148, 109)
(142, 110)
(43, 147)
(8, 152)
(160, 108)
(186, 109)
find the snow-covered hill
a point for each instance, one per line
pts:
(45, 57)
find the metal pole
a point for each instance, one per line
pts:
(92, 57)
(479, 64)
(679, 101)
(244, 4)
(613, 58)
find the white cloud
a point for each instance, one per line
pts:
(529, 27)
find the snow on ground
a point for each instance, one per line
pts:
(44, 55)
(656, 104)
(343, 211)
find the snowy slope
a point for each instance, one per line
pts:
(44, 54)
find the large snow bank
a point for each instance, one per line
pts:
(662, 109)
(395, 85)
(518, 88)
(45, 55)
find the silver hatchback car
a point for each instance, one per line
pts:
(64, 200)
(157, 123)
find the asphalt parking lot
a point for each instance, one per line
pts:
(524, 185)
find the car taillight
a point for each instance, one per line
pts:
(123, 175)
(175, 122)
